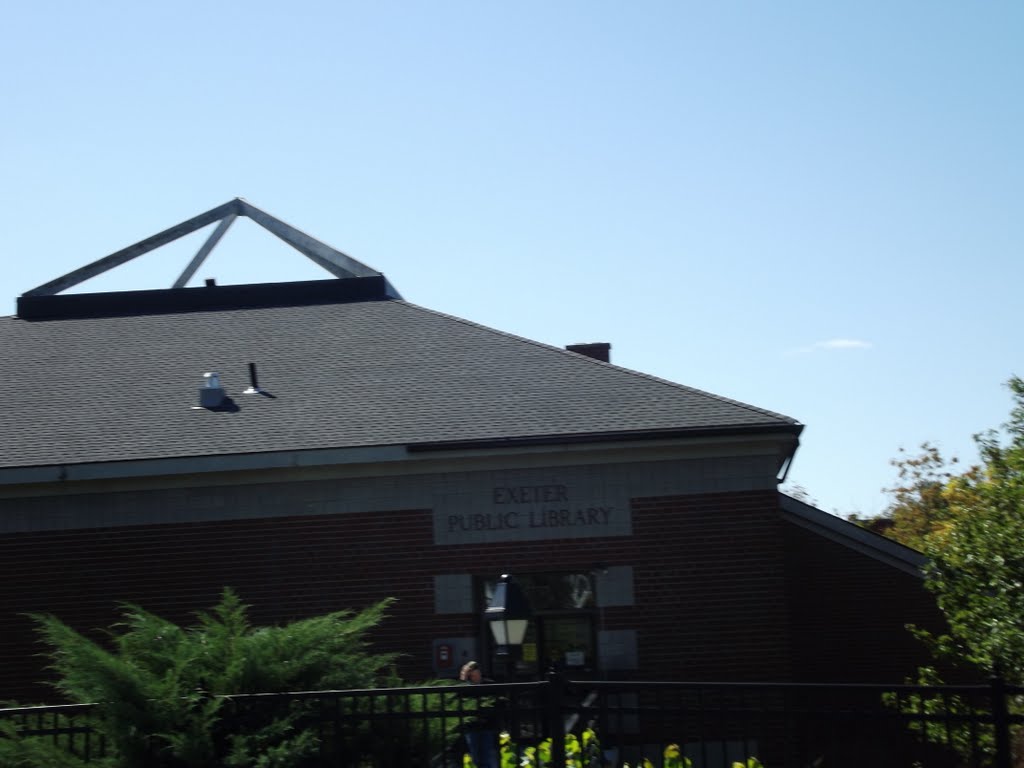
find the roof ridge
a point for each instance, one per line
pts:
(576, 355)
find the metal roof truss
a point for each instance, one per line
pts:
(334, 261)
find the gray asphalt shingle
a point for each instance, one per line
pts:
(342, 375)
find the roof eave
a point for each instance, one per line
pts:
(850, 535)
(793, 430)
(387, 454)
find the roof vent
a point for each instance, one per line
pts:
(254, 383)
(598, 350)
(212, 394)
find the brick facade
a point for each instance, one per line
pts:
(723, 588)
(848, 613)
(711, 601)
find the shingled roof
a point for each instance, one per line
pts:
(341, 362)
(349, 373)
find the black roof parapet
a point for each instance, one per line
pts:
(208, 298)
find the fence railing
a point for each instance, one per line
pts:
(65, 725)
(809, 724)
(714, 724)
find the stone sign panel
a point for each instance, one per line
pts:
(531, 511)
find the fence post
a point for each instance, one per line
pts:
(553, 706)
(1001, 722)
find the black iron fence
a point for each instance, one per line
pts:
(69, 726)
(808, 724)
(713, 724)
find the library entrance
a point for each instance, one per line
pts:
(561, 634)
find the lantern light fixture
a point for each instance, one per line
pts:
(508, 615)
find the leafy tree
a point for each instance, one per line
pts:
(977, 559)
(800, 493)
(919, 506)
(971, 527)
(161, 687)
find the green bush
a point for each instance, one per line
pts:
(583, 752)
(163, 691)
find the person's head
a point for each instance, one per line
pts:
(470, 672)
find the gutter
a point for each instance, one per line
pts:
(603, 437)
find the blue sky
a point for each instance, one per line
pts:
(812, 207)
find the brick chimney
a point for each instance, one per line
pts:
(598, 350)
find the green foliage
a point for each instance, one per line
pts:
(584, 752)
(674, 757)
(918, 506)
(18, 752)
(580, 752)
(412, 728)
(971, 525)
(590, 753)
(164, 690)
(928, 716)
(507, 751)
(977, 562)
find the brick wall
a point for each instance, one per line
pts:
(706, 571)
(724, 589)
(848, 613)
(710, 587)
(285, 567)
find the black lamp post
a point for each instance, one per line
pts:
(508, 615)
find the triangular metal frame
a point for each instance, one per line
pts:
(334, 261)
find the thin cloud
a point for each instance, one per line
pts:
(832, 344)
(842, 344)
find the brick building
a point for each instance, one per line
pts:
(354, 446)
